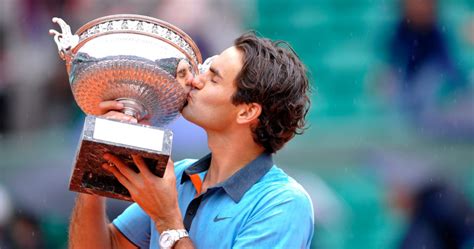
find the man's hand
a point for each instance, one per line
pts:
(111, 109)
(157, 196)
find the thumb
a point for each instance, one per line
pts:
(169, 172)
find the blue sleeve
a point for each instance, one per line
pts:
(134, 224)
(283, 219)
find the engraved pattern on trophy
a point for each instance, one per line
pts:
(132, 59)
(141, 26)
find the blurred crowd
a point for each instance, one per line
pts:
(35, 97)
(435, 95)
(424, 80)
(421, 80)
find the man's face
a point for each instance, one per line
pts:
(184, 75)
(210, 100)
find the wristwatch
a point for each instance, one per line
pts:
(169, 237)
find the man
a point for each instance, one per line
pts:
(251, 101)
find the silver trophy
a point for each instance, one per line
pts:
(135, 60)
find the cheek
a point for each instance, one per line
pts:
(212, 107)
(219, 96)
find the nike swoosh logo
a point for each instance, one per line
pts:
(216, 219)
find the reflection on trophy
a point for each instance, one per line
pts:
(132, 59)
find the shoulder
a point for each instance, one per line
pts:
(278, 182)
(280, 207)
(277, 189)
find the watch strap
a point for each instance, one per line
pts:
(175, 234)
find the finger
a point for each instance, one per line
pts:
(119, 116)
(145, 122)
(108, 105)
(120, 177)
(142, 167)
(133, 120)
(124, 169)
(169, 172)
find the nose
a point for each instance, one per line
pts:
(189, 79)
(197, 82)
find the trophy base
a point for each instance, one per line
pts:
(122, 139)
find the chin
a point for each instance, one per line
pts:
(188, 115)
(185, 113)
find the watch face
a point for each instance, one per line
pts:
(166, 241)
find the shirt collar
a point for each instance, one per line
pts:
(238, 184)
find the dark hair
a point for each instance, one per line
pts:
(274, 77)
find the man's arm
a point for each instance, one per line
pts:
(184, 243)
(90, 228)
(156, 196)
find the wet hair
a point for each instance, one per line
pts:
(273, 76)
(170, 65)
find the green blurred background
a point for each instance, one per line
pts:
(358, 150)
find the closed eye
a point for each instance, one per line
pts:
(215, 72)
(181, 73)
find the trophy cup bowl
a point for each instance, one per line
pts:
(135, 60)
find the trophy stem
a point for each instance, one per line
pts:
(133, 108)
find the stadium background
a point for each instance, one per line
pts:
(357, 145)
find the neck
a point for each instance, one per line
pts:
(230, 153)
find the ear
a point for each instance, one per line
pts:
(249, 113)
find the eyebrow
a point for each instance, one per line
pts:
(216, 72)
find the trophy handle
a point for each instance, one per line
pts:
(65, 40)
